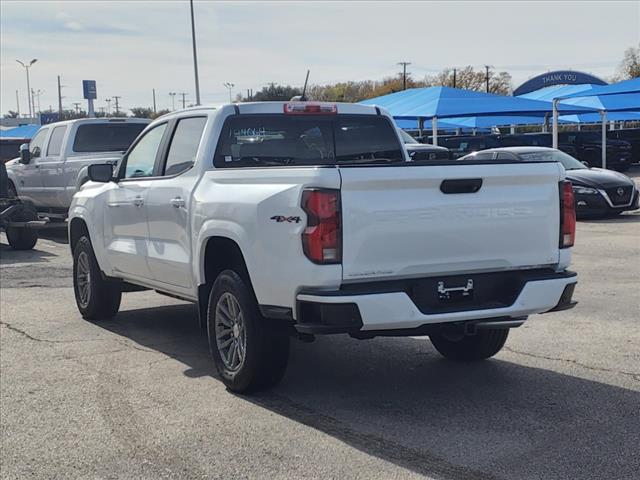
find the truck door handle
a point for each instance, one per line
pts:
(138, 201)
(462, 185)
(177, 202)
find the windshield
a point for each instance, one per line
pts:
(275, 140)
(567, 161)
(406, 138)
(106, 137)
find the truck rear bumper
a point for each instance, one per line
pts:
(343, 312)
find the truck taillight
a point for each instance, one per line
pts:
(567, 215)
(309, 108)
(322, 238)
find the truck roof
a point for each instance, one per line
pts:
(99, 120)
(278, 107)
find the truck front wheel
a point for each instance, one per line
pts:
(97, 298)
(467, 348)
(250, 352)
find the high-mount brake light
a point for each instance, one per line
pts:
(567, 215)
(322, 238)
(307, 108)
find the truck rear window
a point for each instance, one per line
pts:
(106, 137)
(277, 140)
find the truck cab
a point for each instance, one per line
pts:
(53, 166)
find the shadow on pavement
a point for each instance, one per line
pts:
(10, 256)
(397, 400)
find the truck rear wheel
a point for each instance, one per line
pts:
(467, 348)
(96, 297)
(250, 352)
(22, 238)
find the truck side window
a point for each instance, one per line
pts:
(184, 145)
(36, 144)
(142, 159)
(55, 142)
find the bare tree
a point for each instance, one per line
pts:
(630, 65)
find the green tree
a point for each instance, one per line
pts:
(159, 113)
(470, 79)
(630, 65)
(142, 112)
(274, 92)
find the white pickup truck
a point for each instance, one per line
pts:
(53, 166)
(306, 218)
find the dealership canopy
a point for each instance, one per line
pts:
(21, 132)
(433, 103)
(446, 102)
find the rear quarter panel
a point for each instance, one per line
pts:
(240, 204)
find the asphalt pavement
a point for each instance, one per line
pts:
(137, 397)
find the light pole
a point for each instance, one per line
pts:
(195, 55)
(108, 100)
(173, 100)
(26, 67)
(229, 86)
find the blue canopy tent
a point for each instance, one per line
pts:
(617, 97)
(23, 131)
(444, 102)
(547, 94)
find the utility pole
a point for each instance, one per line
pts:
(115, 99)
(154, 101)
(184, 99)
(454, 77)
(487, 76)
(18, 103)
(229, 86)
(404, 73)
(59, 98)
(108, 100)
(173, 100)
(77, 105)
(35, 95)
(195, 55)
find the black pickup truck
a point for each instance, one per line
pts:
(588, 146)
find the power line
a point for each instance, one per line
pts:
(404, 73)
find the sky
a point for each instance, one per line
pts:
(130, 47)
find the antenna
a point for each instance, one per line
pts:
(304, 89)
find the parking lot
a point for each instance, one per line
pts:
(137, 397)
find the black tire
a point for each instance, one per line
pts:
(21, 238)
(262, 345)
(468, 348)
(102, 300)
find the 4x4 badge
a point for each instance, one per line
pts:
(282, 218)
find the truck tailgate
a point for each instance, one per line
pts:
(398, 223)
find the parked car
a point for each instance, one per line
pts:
(307, 218)
(588, 145)
(423, 151)
(631, 135)
(598, 192)
(534, 140)
(53, 166)
(10, 148)
(461, 145)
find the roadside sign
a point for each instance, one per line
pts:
(89, 89)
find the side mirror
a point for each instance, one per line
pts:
(101, 172)
(25, 154)
(586, 164)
